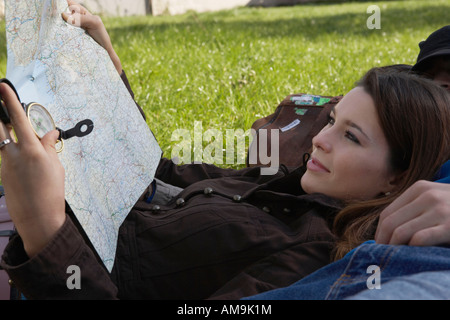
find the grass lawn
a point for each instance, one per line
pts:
(227, 69)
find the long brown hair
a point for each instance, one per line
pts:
(414, 114)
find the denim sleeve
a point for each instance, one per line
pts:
(431, 285)
(375, 270)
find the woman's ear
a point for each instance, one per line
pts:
(393, 183)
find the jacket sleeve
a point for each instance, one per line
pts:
(48, 276)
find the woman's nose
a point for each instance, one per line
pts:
(322, 140)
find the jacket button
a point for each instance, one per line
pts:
(237, 198)
(208, 191)
(287, 210)
(266, 209)
(180, 202)
(156, 208)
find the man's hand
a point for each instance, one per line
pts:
(419, 217)
(80, 17)
(32, 176)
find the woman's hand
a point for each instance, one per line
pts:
(33, 178)
(81, 17)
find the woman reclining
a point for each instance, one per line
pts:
(231, 233)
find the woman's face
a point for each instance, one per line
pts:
(350, 155)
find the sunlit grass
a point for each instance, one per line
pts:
(227, 69)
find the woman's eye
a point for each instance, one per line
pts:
(348, 134)
(351, 137)
(331, 120)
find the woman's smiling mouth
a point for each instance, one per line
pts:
(316, 166)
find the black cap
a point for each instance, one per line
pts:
(437, 44)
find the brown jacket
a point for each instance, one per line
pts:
(213, 245)
(229, 234)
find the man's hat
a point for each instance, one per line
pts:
(437, 44)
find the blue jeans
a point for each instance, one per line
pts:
(432, 285)
(375, 271)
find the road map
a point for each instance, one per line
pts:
(61, 67)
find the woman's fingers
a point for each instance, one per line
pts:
(77, 15)
(19, 121)
(93, 24)
(75, 7)
(33, 178)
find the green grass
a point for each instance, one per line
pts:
(227, 69)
